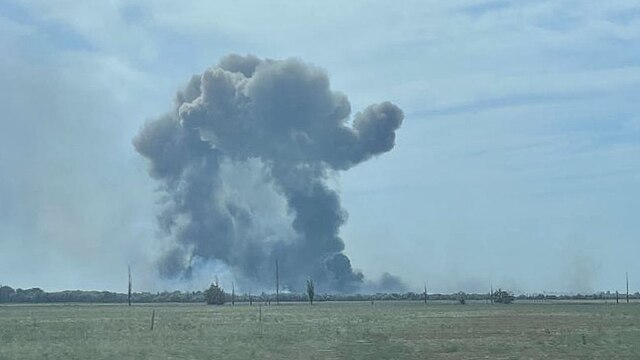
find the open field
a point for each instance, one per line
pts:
(385, 330)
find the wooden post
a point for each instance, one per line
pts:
(617, 297)
(233, 294)
(153, 318)
(277, 284)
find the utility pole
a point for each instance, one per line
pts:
(130, 286)
(233, 294)
(277, 284)
(491, 293)
(425, 293)
(627, 278)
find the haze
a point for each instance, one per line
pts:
(517, 162)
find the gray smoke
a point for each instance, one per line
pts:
(280, 120)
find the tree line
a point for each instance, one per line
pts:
(37, 295)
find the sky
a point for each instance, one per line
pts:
(517, 164)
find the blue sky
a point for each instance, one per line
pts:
(518, 163)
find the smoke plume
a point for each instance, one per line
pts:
(243, 160)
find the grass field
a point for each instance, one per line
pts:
(385, 330)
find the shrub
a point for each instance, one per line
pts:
(462, 298)
(503, 297)
(214, 295)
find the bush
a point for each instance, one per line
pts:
(462, 298)
(503, 297)
(214, 295)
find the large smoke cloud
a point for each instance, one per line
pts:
(280, 124)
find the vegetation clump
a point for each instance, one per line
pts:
(462, 298)
(214, 295)
(502, 297)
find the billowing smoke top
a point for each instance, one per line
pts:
(279, 123)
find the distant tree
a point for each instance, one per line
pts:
(502, 297)
(32, 295)
(6, 294)
(214, 295)
(462, 298)
(310, 290)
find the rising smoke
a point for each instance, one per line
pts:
(244, 136)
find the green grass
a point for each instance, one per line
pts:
(386, 330)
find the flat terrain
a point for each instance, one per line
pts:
(385, 330)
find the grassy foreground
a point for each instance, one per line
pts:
(385, 330)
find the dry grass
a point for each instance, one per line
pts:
(390, 330)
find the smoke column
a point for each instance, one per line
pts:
(278, 123)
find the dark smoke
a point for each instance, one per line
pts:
(280, 120)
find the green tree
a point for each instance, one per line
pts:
(6, 294)
(214, 295)
(462, 297)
